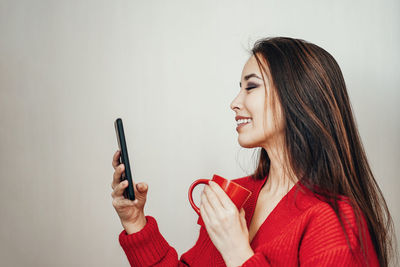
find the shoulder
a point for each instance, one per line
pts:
(344, 209)
(337, 228)
(325, 233)
(319, 211)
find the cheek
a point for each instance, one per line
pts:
(267, 125)
(273, 121)
(255, 105)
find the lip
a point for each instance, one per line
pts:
(241, 125)
(241, 118)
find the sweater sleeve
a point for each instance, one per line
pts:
(148, 247)
(257, 260)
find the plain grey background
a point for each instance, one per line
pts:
(170, 69)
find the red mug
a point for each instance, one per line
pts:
(237, 193)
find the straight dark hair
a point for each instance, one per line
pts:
(322, 143)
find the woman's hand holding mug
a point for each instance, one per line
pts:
(131, 213)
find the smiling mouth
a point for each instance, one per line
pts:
(243, 121)
(240, 125)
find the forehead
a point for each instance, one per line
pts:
(251, 66)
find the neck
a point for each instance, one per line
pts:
(280, 177)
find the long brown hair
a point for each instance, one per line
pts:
(322, 143)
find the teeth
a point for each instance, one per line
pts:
(243, 121)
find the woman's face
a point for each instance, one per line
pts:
(251, 102)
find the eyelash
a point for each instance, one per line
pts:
(251, 87)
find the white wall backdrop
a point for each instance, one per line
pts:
(170, 69)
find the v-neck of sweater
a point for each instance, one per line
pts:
(277, 217)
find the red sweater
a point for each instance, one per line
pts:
(301, 230)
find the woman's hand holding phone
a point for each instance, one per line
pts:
(131, 213)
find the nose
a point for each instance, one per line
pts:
(236, 103)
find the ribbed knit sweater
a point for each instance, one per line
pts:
(300, 230)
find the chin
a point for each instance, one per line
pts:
(247, 144)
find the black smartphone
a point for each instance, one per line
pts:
(127, 175)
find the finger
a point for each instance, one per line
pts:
(204, 215)
(242, 213)
(226, 202)
(119, 189)
(123, 202)
(140, 190)
(213, 200)
(115, 161)
(117, 175)
(142, 187)
(209, 209)
(243, 218)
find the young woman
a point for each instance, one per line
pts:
(315, 201)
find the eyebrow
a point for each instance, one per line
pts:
(248, 77)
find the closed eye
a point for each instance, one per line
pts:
(251, 87)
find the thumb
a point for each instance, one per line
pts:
(142, 187)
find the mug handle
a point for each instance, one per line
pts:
(194, 184)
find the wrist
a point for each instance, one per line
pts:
(240, 257)
(135, 227)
